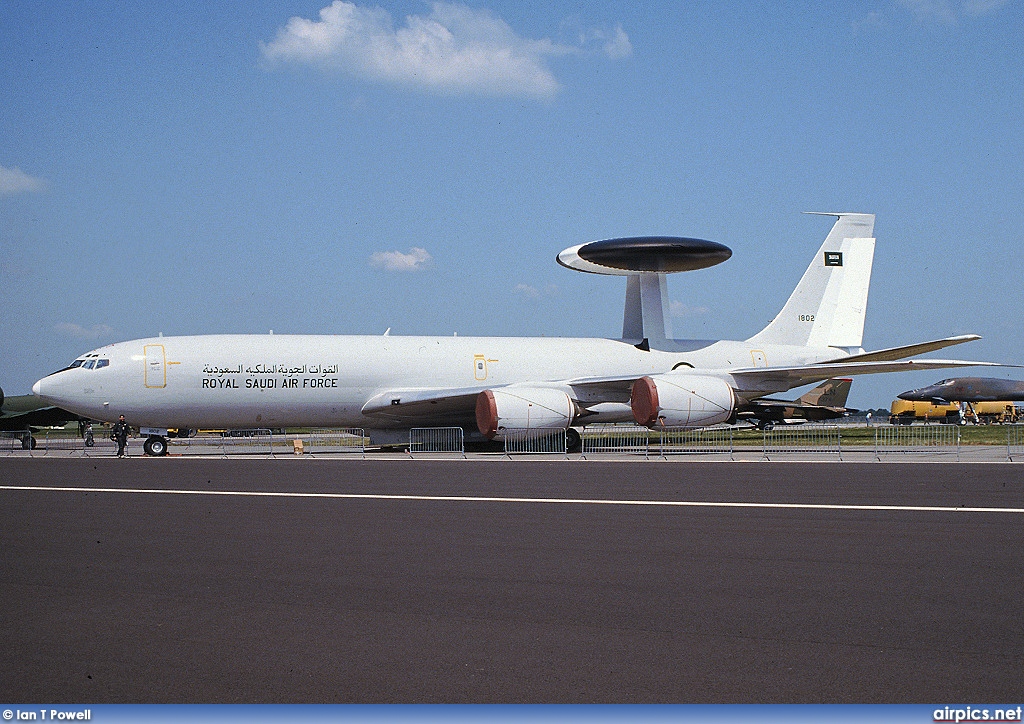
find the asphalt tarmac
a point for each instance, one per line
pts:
(599, 582)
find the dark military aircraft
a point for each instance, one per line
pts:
(26, 413)
(968, 389)
(824, 402)
(22, 412)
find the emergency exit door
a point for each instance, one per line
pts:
(156, 366)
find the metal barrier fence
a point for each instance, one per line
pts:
(62, 440)
(1014, 442)
(44, 441)
(11, 440)
(48, 441)
(338, 441)
(683, 441)
(257, 441)
(622, 439)
(595, 439)
(97, 442)
(934, 439)
(535, 441)
(802, 439)
(317, 441)
(200, 444)
(437, 440)
(635, 440)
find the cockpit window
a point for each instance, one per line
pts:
(76, 363)
(88, 362)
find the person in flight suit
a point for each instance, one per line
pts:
(119, 433)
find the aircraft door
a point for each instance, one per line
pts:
(156, 366)
(759, 358)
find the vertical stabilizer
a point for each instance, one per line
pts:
(830, 393)
(828, 306)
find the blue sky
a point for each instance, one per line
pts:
(308, 167)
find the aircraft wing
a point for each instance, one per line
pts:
(43, 417)
(909, 350)
(414, 402)
(758, 381)
(27, 411)
(457, 406)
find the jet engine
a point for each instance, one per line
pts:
(522, 408)
(681, 400)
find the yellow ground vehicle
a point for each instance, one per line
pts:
(905, 412)
(994, 413)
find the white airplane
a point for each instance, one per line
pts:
(492, 386)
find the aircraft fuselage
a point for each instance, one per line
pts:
(235, 381)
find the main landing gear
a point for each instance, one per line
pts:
(573, 440)
(155, 445)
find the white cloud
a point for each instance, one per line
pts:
(869, 21)
(931, 10)
(453, 49)
(417, 259)
(77, 331)
(550, 290)
(983, 7)
(948, 12)
(678, 309)
(14, 181)
(618, 46)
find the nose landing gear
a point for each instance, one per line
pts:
(155, 445)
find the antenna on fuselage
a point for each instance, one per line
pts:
(645, 261)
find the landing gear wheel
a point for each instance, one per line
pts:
(573, 441)
(28, 442)
(155, 445)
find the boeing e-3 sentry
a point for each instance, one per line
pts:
(492, 386)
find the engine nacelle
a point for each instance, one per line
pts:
(522, 408)
(681, 400)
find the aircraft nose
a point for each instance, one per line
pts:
(44, 389)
